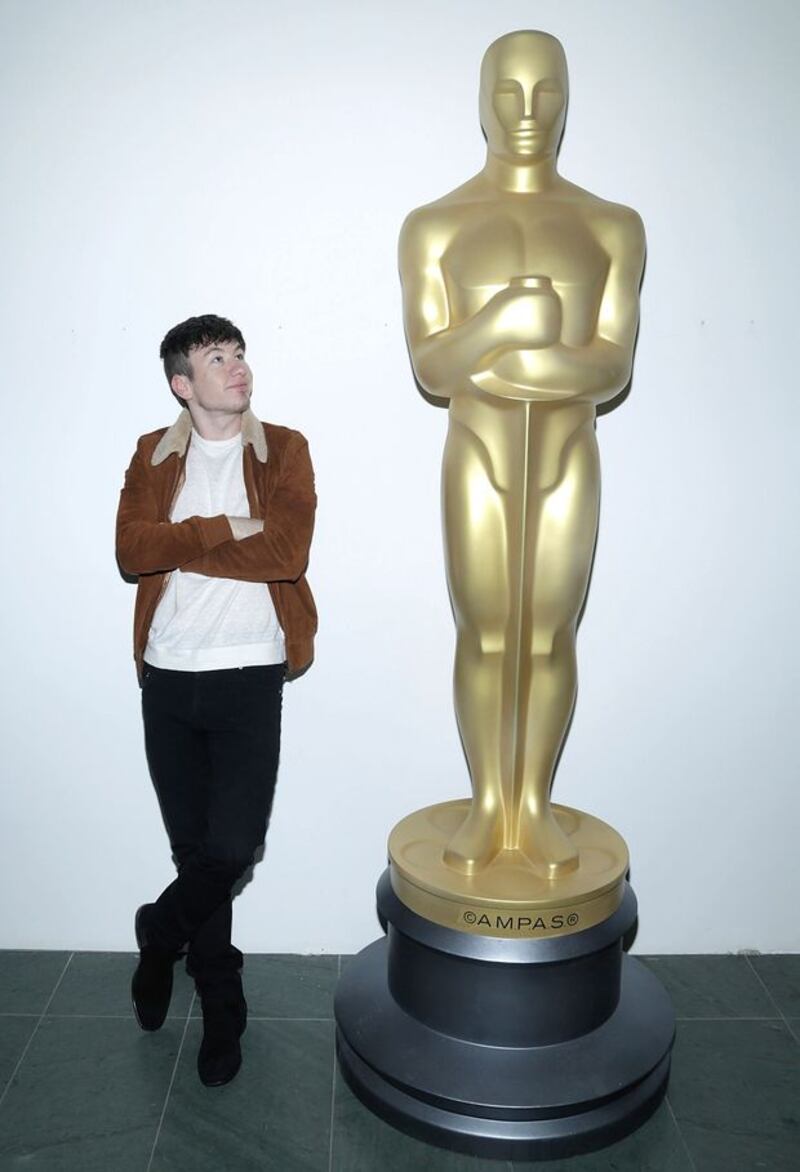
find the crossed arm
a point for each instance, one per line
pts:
(272, 550)
(449, 356)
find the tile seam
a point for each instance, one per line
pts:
(95, 1016)
(333, 1105)
(681, 1136)
(261, 1017)
(34, 1031)
(277, 1017)
(333, 1078)
(170, 1085)
(763, 985)
(733, 1020)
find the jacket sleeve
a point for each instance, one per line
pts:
(280, 552)
(147, 545)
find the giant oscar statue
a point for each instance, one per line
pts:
(500, 1015)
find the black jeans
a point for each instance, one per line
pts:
(212, 740)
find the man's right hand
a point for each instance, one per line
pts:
(242, 527)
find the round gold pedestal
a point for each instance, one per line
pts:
(511, 897)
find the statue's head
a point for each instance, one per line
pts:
(523, 100)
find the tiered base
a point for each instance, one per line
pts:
(511, 1048)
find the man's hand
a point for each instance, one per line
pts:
(242, 527)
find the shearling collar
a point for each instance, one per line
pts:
(176, 438)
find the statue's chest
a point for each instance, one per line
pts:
(495, 245)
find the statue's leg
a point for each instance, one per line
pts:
(563, 531)
(476, 555)
(550, 699)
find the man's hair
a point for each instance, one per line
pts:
(195, 331)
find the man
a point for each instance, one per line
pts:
(215, 518)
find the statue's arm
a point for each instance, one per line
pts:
(600, 369)
(444, 355)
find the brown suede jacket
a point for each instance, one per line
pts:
(279, 481)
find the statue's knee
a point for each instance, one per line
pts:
(553, 642)
(493, 643)
(543, 644)
(480, 642)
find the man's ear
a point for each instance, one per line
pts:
(181, 386)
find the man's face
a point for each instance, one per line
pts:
(221, 381)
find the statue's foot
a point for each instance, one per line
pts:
(545, 844)
(476, 842)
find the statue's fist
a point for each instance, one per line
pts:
(527, 314)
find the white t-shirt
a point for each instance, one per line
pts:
(201, 623)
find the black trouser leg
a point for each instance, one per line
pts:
(212, 741)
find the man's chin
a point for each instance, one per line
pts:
(237, 407)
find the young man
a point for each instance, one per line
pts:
(215, 519)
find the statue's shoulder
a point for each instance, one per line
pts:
(622, 229)
(626, 221)
(617, 219)
(436, 222)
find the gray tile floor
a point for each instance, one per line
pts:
(83, 1089)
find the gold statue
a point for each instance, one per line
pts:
(505, 917)
(521, 297)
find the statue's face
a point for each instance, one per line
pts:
(523, 99)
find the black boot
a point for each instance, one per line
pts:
(224, 1022)
(151, 987)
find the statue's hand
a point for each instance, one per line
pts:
(525, 316)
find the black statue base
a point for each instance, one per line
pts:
(517, 1049)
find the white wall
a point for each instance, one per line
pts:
(173, 157)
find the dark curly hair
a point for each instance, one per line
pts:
(189, 335)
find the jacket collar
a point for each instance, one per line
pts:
(176, 438)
